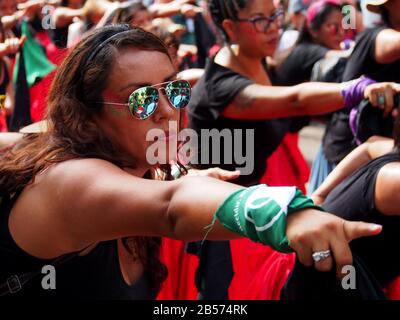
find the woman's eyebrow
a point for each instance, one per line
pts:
(147, 84)
(171, 77)
(257, 14)
(260, 14)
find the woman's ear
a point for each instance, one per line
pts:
(313, 33)
(230, 29)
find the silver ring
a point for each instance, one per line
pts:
(381, 100)
(321, 255)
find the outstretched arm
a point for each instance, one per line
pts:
(372, 149)
(267, 102)
(96, 201)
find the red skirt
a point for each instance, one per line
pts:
(260, 272)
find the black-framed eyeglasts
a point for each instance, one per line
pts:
(262, 24)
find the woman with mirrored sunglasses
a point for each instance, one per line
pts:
(236, 92)
(95, 206)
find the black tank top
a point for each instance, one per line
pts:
(94, 276)
(6, 78)
(59, 36)
(354, 199)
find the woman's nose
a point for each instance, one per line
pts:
(164, 110)
(273, 27)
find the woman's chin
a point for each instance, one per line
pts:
(269, 52)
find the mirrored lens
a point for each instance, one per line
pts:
(143, 102)
(178, 93)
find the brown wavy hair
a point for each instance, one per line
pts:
(72, 132)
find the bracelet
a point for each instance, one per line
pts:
(260, 213)
(353, 91)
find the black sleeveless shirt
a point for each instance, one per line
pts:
(94, 276)
(6, 78)
(354, 199)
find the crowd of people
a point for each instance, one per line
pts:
(84, 82)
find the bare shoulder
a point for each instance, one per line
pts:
(387, 189)
(49, 202)
(78, 170)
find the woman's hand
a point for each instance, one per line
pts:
(318, 199)
(216, 173)
(11, 46)
(190, 11)
(310, 231)
(29, 8)
(381, 95)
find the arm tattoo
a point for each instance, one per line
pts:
(243, 100)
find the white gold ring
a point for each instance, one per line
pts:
(321, 255)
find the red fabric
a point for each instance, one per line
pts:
(393, 290)
(181, 272)
(3, 121)
(260, 272)
(287, 166)
(40, 91)
(38, 95)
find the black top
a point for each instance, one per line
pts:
(354, 199)
(212, 94)
(362, 60)
(205, 39)
(94, 276)
(374, 258)
(298, 66)
(6, 78)
(339, 140)
(59, 36)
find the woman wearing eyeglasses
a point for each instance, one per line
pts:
(376, 55)
(82, 197)
(236, 92)
(321, 37)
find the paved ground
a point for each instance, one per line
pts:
(310, 141)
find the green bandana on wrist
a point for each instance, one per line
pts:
(259, 213)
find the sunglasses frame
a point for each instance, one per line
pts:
(161, 87)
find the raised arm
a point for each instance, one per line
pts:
(267, 102)
(64, 16)
(162, 10)
(375, 147)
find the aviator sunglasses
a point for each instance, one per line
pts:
(143, 102)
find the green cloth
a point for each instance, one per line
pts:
(36, 63)
(260, 212)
